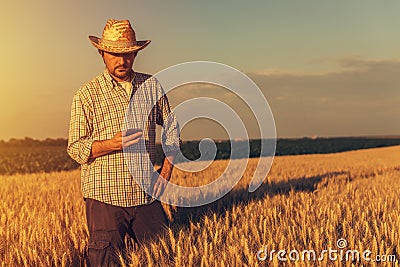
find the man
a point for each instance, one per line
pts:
(115, 202)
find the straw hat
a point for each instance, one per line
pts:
(118, 37)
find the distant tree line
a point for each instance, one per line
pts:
(331, 145)
(30, 142)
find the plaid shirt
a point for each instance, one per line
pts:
(98, 113)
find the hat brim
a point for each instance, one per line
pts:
(118, 49)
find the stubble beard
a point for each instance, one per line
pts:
(124, 74)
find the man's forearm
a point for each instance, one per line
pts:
(101, 148)
(167, 167)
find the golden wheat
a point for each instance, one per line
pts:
(307, 202)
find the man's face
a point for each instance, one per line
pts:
(119, 65)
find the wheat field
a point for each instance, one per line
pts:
(307, 202)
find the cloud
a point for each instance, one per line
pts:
(361, 97)
(364, 79)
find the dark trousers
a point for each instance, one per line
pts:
(109, 224)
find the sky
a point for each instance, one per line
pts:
(326, 68)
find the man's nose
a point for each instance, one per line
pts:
(121, 60)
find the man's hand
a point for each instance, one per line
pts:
(164, 176)
(130, 137)
(159, 187)
(119, 141)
